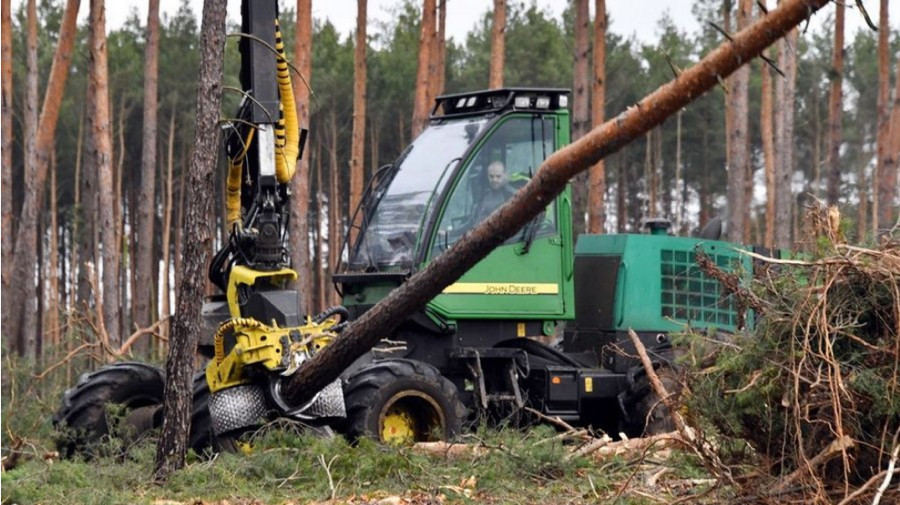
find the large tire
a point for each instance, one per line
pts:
(83, 419)
(402, 401)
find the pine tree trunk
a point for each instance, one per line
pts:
(581, 113)
(53, 270)
(6, 78)
(299, 226)
(101, 128)
(119, 205)
(885, 177)
(165, 290)
(597, 177)
(835, 109)
(441, 50)
(27, 343)
(784, 139)
(887, 191)
(768, 145)
(172, 446)
(498, 45)
(738, 137)
(680, 189)
(549, 181)
(421, 107)
(358, 141)
(321, 267)
(334, 205)
(621, 190)
(862, 208)
(18, 311)
(147, 200)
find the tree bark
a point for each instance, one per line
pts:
(885, 177)
(498, 45)
(147, 199)
(102, 154)
(892, 159)
(784, 139)
(581, 113)
(597, 178)
(18, 316)
(835, 109)
(358, 141)
(53, 260)
(27, 342)
(300, 183)
(621, 189)
(172, 446)
(738, 138)
(420, 101)
(165, 303)
(441, 51)
(768, 145)
(6, 131)
(549, 181)
(334, 199)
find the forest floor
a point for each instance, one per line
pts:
(537, 465)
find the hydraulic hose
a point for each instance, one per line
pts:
(287, 130)
(233, 183)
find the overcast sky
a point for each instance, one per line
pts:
(637, 17)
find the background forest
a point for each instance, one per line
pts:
(677, 172)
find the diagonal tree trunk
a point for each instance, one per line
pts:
(547, 184)
(147, 200)
(6, 214)
(172, 446)
(597, 178)
(18, 312)
(102, 154)
(358, 141)
(420, 100)
(498, 45)
(885, 177)
(835, 110)
(300, 183)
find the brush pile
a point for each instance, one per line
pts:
(814, 389)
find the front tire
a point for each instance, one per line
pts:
(402, 401)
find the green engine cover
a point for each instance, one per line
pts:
(653, 283)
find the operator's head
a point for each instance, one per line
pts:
(496, 175)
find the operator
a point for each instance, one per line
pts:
(497, 192)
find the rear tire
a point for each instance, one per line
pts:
(83, 419)
(649, 414)
(402, 401)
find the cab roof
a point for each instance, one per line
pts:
(478, 103)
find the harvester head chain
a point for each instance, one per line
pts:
(237, 407)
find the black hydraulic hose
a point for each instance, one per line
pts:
(330, 311)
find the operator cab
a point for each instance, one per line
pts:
(478, 149)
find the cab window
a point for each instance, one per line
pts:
(504, 163)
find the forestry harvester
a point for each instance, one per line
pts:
(541, 322)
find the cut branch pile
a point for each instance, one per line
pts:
(814, 389)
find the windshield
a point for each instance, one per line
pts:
(392, 231)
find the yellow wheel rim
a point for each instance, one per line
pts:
(410, 416)
(399, 427)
